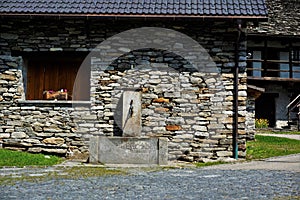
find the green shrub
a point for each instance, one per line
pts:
(261, 123)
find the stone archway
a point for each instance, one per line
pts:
(192, 109)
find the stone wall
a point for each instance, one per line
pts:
(196, 117)
(284, 17)
(43, 128)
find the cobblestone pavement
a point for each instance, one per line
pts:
(188, 183)
(287, 163)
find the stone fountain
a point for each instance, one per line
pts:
(132, 147)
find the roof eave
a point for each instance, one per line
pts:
(245, 17)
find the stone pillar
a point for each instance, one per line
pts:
(131, 116)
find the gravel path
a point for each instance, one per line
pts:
(196, 183)
(287, 163)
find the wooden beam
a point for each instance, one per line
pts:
(274, 79)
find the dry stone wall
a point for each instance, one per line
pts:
(284, 18)
(192, 109)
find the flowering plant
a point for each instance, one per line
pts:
(261, 123)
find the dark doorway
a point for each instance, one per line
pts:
(265, 108)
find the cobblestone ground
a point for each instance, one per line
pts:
(195, 183)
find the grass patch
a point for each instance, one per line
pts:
(21, 159)
(287, 132)
(267, 146)
(210, 163)
(60, 173)
(262, 131)
(86, 172)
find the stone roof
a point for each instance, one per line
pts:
(164, 8)
(284, 19)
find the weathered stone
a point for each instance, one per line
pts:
(242, 93)
(215, 126)
(149, 96)
(172, 94)
(77, 143)
(52, 129)
(108, 114)
(224, 153)
(161, 100)
(54, 141)
(103, 126)
(202, 134)
(35, 150)
(12, 64)
(124, 49)
(184, 136)
(161, 110)
(180, 100)
(4, 135)
(9, 36)
(54, 151)
(43, 134)
(159, 129)
(154, 81)
(175, 120)
(32, 141)
(200, 128)
(173, 127)
(18, 135)
(87, 125)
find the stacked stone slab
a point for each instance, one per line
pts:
(193, 109)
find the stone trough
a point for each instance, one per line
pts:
(128, 150)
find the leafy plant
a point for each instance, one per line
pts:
(261, 123)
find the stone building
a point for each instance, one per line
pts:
(274, 62)
(73, 74)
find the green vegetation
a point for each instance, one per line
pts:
(60, 173)
(209, 163)
(85, 172)
(267, 146)
(262, 147)
(20, 159)
(261, 123)
(279, 132)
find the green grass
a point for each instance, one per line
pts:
(61, 173)
(20, 159)
(267, 146)
(288, 132)
(85, 172)
(209, 164)
(261, 131)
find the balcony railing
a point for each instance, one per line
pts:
(273, 69)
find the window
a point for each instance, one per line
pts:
(256, 66)
(52, 76)
(296, 63)
(273, 62)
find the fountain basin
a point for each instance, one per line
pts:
(128, 150)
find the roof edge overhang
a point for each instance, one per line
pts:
(203, 17)
(274, 36)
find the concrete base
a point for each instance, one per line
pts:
(128, 150)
